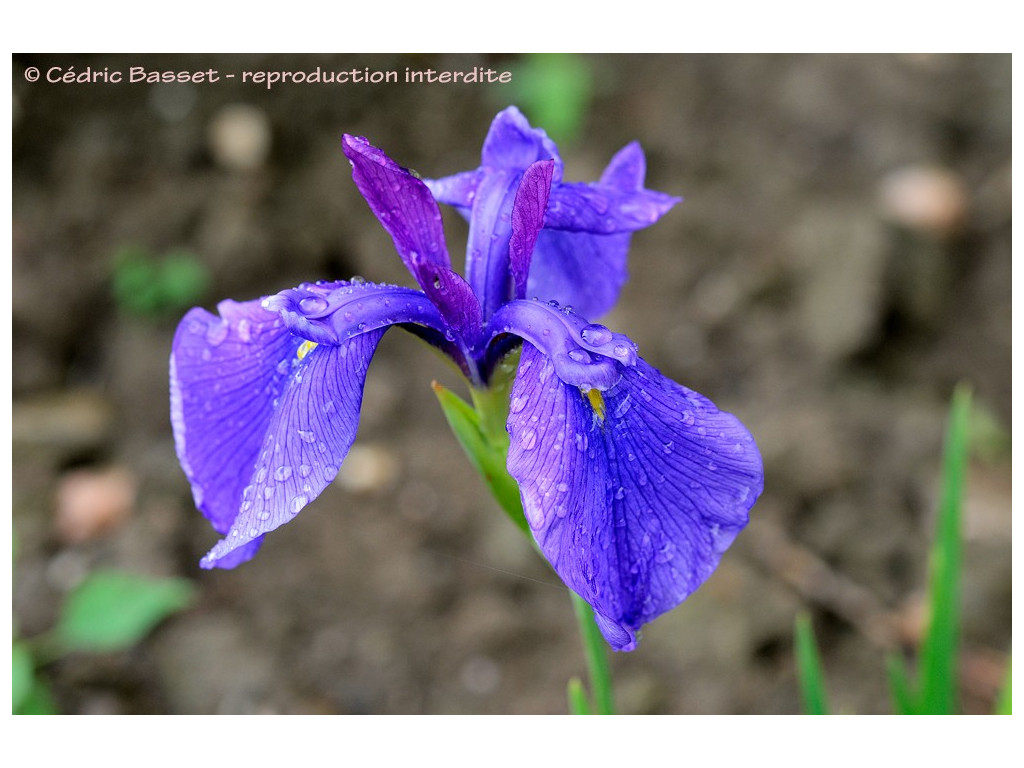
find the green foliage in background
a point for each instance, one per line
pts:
(109, 611)
(554, 90)
(151, 286)
(934, 689)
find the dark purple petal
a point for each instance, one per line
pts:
(527, 220)
(513, 145)
(401, 202)
(584, 354)
(632, 495)
(226, 373)
(300, 450)
(454, 298)
(585, 271)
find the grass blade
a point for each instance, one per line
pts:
(808, 667)
(939, 649)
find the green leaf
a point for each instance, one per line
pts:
(579, 704)
(939, 647)
(1004, 704)
(22, 675)
(486, 451)
(596, 653)
(808, 665)
(903, 699)
(111, 610)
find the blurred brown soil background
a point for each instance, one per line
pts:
(841, 261)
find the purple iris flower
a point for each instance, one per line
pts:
(632, 484)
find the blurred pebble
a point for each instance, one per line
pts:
(925, 198)
(480, 675)
(239, 137)
(367, 468)
(91, 502)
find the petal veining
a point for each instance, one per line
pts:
(303, 445)
(226, 373)
(633, 507)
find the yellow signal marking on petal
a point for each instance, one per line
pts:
(305, 349)
(596, 402)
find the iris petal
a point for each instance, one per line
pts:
(226, 372)
(512, 144)
(400, 201)
(632, 502)
(527, 220)
(302, 447)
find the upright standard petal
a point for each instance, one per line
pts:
(312, 428)
(527, 220)
(512, 144)
(632, 494)
(401, 202)
(580, 256)
(226, 373)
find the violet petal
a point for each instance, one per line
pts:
(632, 495)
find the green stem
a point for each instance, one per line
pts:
(597, 657)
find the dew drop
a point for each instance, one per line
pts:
(283, 473)
(622, 407)
(562, 487)
(304, 470)
(596, 334)
(261, 475)
(312, 305)
(620, 493)
(357, 280)
(307, 436)
(667, 447)
(579, 356)
(298, 503)
(268, 492)
(517, 404)
(528, 439)
(216, 333)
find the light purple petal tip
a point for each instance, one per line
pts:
(512, 144)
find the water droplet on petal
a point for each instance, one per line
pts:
(312, 305)
(307, 436)
(298, 503)
(596, 334)
(283, 473)
(579, 356)
(528, 439)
